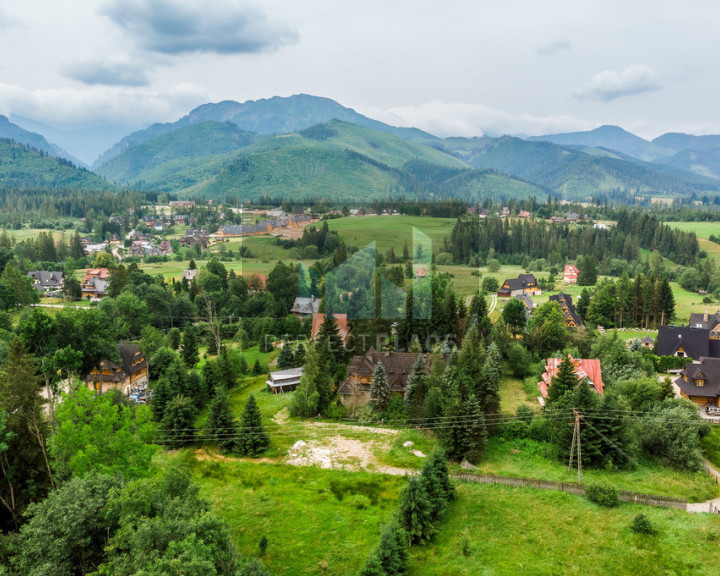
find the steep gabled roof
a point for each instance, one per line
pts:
(342, 323)
(586, 368)
(398, 366)
(694, 341)
(708, 369)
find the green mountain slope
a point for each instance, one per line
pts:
(25, 167)
(196, 141)
(275, 115)
(11, 131)
(612, 137)
(573, 172)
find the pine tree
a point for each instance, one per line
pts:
(286, 358)
(392, 551)
(299, 356)
(416, 386)
(306, 398)
(257, 368)
(179, 421)
(468, 440)
(488, 390)
(373, 567)
(330, 343)
(252, 438)
(415, 512)
(221, 426)
(190, 348)
(565, 380)
(440, 488)
(379, 389)
(469, 363)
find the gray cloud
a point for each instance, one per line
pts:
(183, 26)
(609, 85)
(109, 72)
(553, 48)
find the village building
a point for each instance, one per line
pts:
(342, 322)
(528, 303)
(687, 342)
(284, 380)
(189, 275)
(586, 370)
(570, 274)
(182, 203)
(700, 382)
(710, 322)
(131, 373)
(305, 307)
(398, 365)
(523, 284)
(647, 342)
(572, 318)
(47, 282)
(524, 214)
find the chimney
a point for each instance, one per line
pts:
(705, 316)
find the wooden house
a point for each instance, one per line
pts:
(572, 318)
(570, 275)
(398, 365)
(284, 380)
(700, 382)
(523, 284)
(132, 372)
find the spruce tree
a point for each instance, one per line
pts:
(440, 488)
(306, 399)
(379, 389)
(565, 380)
(221, 426)
(286, 358)
(299, 356)
(488, 389)
(257, 368)
(190, 348)
(392, 551)
(415, 512)
(416, 387)
(179, 421)
(252, 438)
(331, 345)
(469, 363)
(373, 567)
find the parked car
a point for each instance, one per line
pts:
(713, 410)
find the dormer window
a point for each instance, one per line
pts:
(700, 382)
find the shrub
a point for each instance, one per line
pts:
(602, 495)
(524, 413)
(641, 525)
(515, 429)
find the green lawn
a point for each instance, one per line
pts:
(530, 459)
(701, 229)
(711, 445)
(513, 531)
(316, 521)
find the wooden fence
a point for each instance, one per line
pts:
(571, 488)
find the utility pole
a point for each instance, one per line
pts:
(576, 440)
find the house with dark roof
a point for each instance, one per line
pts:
(304, 307)
(523, 284)
(700, 382)
(686, 342)
(45, 282)
(132, 372)
(647, 342)
(398, 365)
(527, 301)
(710, 322)
(572, 318)
(586, 370)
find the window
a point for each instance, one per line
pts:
(700, 382)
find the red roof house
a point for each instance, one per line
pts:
(584, 369)
(570, 275)
(342, 322)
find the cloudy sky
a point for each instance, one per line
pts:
(451, 67)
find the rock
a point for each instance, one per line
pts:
(419, 454)
(408, 444)
(466, 465)
(299, 445)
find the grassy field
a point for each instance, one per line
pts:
(530, 459)
(316, 521)
(514, 531)
(701, 229)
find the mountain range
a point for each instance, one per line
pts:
(305, 146)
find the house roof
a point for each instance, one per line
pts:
(709, 370)
(306, 305)
(584, 368)
(570, 270)
(705, 320)
(568, 308)
(520, 283)
(95, 285)
(398, 366)
(694, 341)
(133, 360)
(47, 278)
(102, 273)
(342, 322)
(647, 340)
